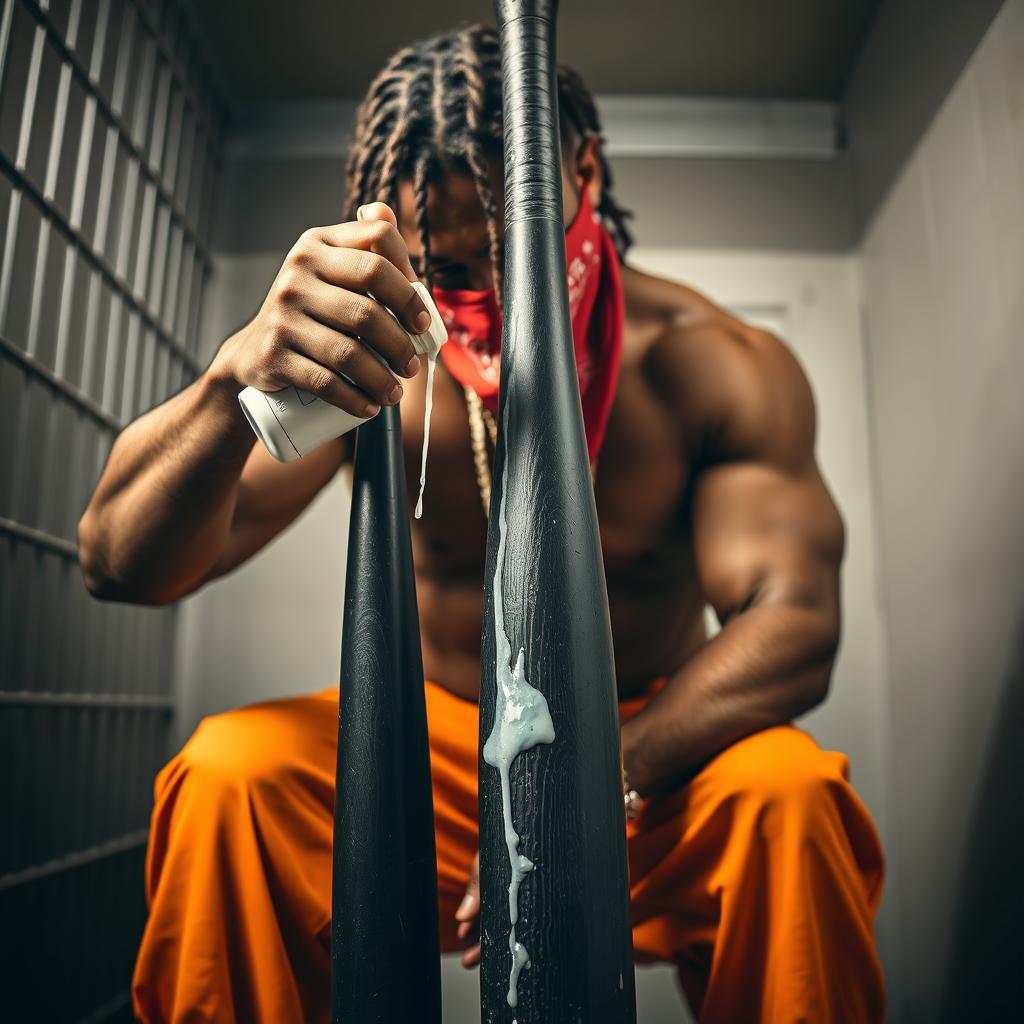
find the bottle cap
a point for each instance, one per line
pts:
(430, 341)
(258, 407)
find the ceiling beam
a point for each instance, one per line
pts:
(634, 126)
(671, 126)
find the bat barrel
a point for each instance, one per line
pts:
(385, 960)
(545, 594)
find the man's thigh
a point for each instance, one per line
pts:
(689, 847)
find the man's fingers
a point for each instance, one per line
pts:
(327, 385)
(353, 313)
(376, 211)
(345, 355)
(384, 271)
(470, 905)
(374, 274)
(376, 232)
(468, 916)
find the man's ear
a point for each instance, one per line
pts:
(588, 168)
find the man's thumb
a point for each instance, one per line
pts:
(470, 904)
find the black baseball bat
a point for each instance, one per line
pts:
(385, 959)
(545, 597)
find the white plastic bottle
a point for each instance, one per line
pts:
(292, 422)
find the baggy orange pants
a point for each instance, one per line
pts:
(759, 879)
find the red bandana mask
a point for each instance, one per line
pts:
(473, 319)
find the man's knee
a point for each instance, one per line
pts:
(781, 767)
(233, 750)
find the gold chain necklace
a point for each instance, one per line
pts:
(482, 425)
(478, 417)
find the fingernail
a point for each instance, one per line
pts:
(422, 322)
(372, 408)
(395, 394)
(465, 905)
(359, 213)
(412, 367)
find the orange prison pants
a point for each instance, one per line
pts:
(758, 880)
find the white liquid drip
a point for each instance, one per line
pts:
(521, 721)
(431, 363)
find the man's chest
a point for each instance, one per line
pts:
(641, 477)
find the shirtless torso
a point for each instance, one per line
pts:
(641, 489)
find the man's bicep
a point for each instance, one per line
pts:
(765, 526)
(271, 495)
(763, 534)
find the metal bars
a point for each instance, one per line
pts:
(74, 860)
(110, 123)
(66, 391)
(113, 277)
(135, 702)
(40, 538)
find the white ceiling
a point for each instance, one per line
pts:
(754, 49)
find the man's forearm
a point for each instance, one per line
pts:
(164, 503)
(769, 664)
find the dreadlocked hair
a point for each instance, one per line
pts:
(436, 107)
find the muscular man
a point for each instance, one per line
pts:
(754, 868)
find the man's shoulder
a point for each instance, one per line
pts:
(670, 321)
(723, 376)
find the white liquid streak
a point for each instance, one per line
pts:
(521, 721)
(431, 363)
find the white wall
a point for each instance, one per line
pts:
(911, 58)
(943, 273)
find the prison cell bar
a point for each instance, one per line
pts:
(385, 956)
(566, 796)
(89, 680)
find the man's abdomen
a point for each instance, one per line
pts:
(656, 625)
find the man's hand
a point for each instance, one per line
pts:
(318, 324)
(468, 916)
(185, 496)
